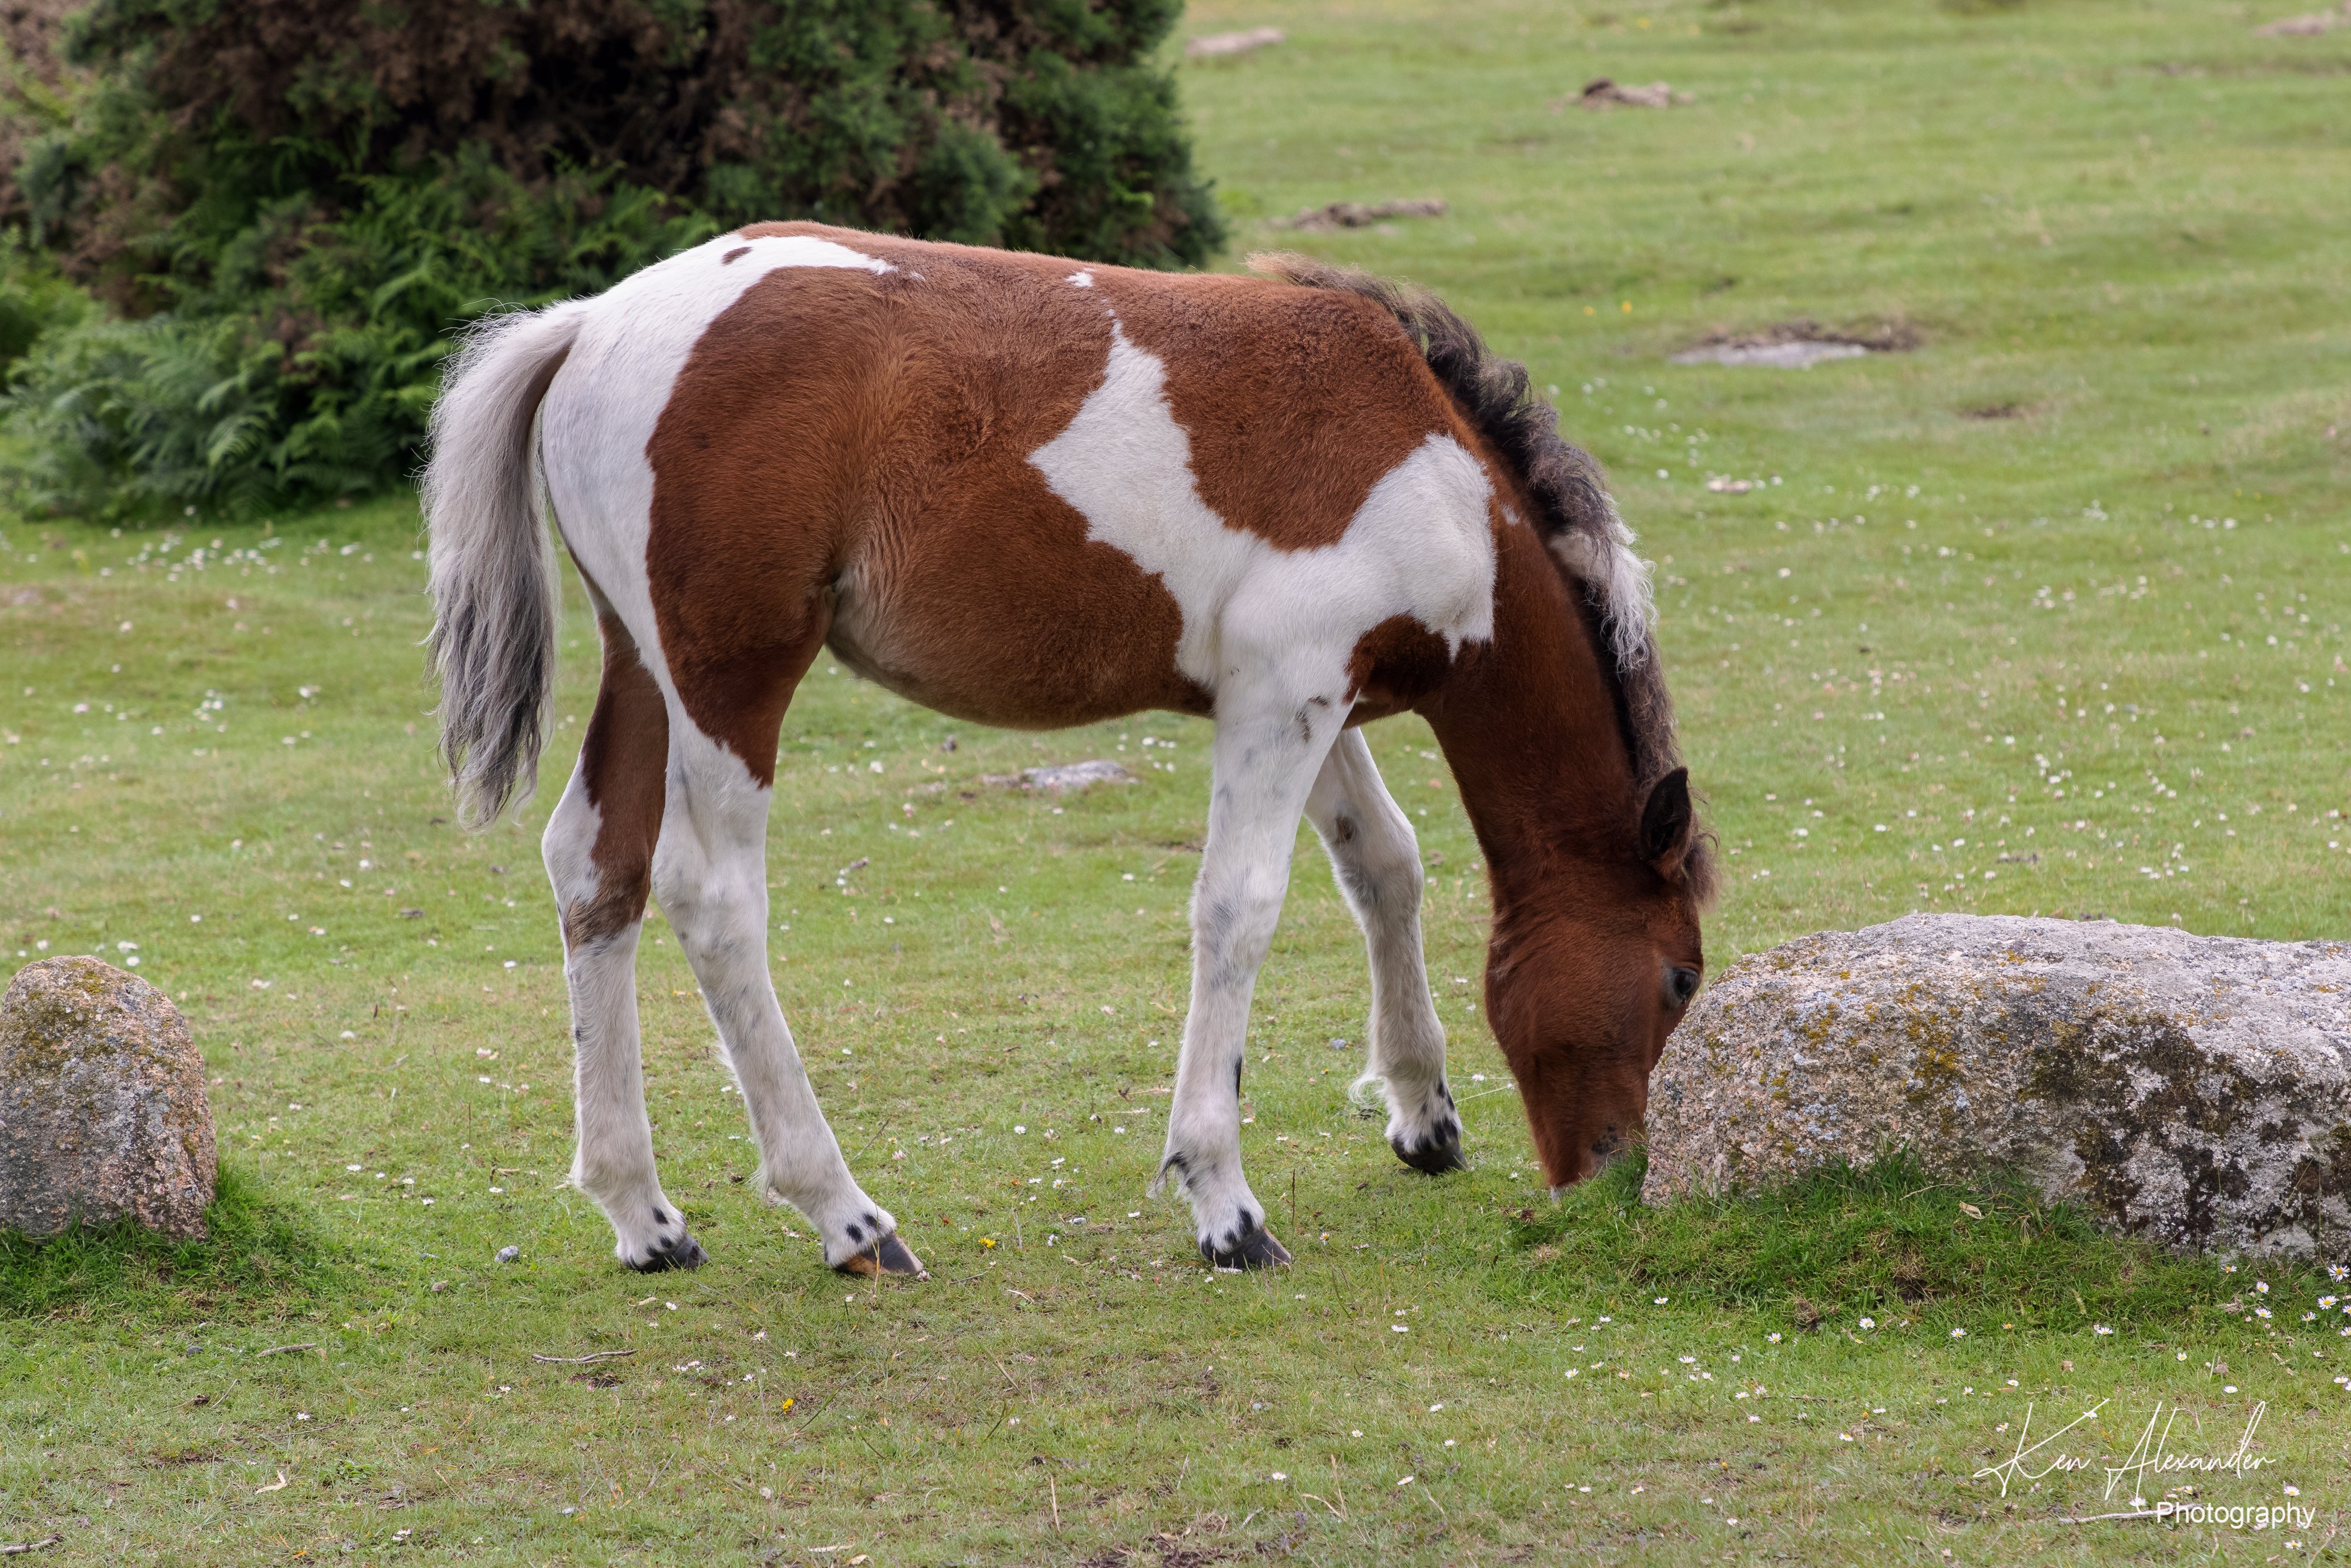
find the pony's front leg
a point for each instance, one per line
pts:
(1375, 857)
(710, 875)
(1266, 755)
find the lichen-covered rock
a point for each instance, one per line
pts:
(102, 1107)
(2192, 1090)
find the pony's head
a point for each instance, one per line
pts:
(1582, 986)
(1601, 870)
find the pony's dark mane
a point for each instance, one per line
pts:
(1573, 511)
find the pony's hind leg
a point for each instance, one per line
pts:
(1375, 857)
(710, 875)
(599, 847)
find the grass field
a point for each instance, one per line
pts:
(2045, 614)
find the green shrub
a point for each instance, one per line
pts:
(34, 299)
(312, 376)
(289, 204)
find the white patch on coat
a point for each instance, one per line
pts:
(1420, 545)
(1082, 279)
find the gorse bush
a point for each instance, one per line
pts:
(33, 300)
(287, 205)
(312, 374)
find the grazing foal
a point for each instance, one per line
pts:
(1032, 492)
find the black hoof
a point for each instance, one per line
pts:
(1258, 1250)
(1437, 1151)
(886, 1256)
(685, 1252)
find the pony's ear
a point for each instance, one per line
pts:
(1666, 822)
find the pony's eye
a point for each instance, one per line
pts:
(1681, 984)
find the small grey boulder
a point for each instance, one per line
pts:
(2192, 1090)
(102, 1106)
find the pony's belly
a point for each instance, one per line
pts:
(1026, 659)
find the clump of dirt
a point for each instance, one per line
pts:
(1799, 344)
(1360, 215)
(1993, 411)
(2305, 26)
(1603, 92)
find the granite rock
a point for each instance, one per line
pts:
(102, 1105)
(2195, 1090)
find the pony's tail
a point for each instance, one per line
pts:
(494, 584)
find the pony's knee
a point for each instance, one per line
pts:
(1233, 918)
(711, 911)
(600, 885)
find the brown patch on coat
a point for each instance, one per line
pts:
(624, 767)
(1395, 665)
(1294, 408)
(758, 476)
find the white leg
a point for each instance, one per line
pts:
(1264, 756)
(710, 876)
(603, 910)
(1375, 857)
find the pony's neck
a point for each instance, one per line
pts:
(1529, 726)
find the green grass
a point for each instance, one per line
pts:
(1888, 1240)
(2122, 221)
(262, 1258)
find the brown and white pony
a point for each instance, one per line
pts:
(1033, 493)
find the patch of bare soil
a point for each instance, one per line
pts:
(1604, 92)
(1360, 215)
(1223, 46)
(1799, 344)
(1994, 411)
(1058, 778)
(2308, 25)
